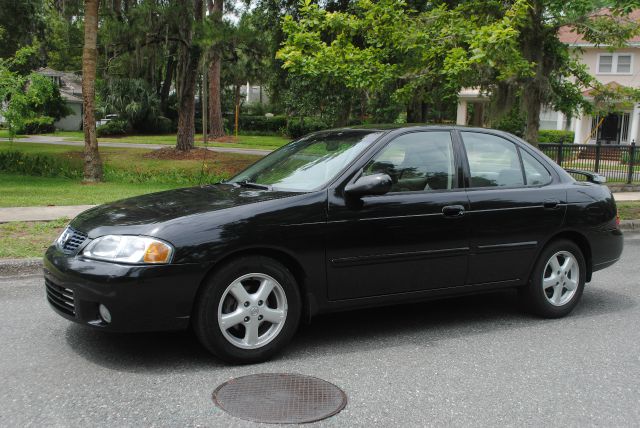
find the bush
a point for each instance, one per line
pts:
(113, 128)
(39, 165)
(636, 158)
(273, 124)
(297, 128)
(37, 125)
(556, 137)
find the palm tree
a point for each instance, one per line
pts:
(92, 162)
(216, 127)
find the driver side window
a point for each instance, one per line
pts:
(417, 162)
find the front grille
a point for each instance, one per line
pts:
(72, 240)
(60, 297)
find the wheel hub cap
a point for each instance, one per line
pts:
(560, 278)
(252, 311)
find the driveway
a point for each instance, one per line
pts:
(475, 361)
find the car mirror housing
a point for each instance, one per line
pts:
(376, 184)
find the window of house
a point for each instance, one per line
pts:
(615, 63)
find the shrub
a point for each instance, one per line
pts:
(37, 125)
(113, 128)
(636, 157)
(557, 137)
(261, 123)
(514, 122)
(297, 128)
(39, 165)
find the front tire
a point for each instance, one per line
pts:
(248, 310)
(557, 281)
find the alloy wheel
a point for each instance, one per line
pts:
(560, 278)
(252, 311)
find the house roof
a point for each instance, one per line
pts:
(611, 85)
(568, 34)
(70, 84)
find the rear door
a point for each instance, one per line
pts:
(514, 207)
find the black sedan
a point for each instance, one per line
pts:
(337, 220)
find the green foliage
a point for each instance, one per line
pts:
(428, 53)
(26, 100)
(113, 128)
(297, 127)
(43, 97)
(270, 125)
(557, 137)
(624, 159)
(39, 165)
(64, 38)
(21, 24)
(132, 100)
(514, 122)
(37, 125)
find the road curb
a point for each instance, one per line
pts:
(14, 267)
(630, 225)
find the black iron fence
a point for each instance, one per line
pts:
(618, 163)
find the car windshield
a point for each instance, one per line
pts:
(308, 163)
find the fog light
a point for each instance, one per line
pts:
(104, 313)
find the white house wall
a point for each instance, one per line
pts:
(73, 122)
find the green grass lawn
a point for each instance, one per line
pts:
(629, 210)
(263, 142)
(128, 172)
(4, 133)
(21, 239)
(24, 190)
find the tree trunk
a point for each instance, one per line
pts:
(533, 50)
(216, 124)
(187, 75)
(414, 110)
(166, 84)
(92, 162)
(532, 105)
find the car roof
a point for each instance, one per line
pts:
(388, 128)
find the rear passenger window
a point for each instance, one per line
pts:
(534, 171)
(493, 161)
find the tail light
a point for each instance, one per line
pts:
(617, 218)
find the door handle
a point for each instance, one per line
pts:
(551, 204)
(453, 211)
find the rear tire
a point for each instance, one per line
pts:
(248, 310)
(557, 280)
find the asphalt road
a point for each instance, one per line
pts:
(475, 361)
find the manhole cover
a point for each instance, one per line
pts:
(280, 398)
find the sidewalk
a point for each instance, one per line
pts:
(41, 213)
(70, 211)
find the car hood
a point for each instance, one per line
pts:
(143, 213)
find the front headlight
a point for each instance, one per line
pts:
(129, 249)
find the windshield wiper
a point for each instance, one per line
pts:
(247, 183)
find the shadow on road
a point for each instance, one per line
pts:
(341, 333)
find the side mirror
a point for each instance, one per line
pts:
(376, 184)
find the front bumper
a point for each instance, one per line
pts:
(139, 297)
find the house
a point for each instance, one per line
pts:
(70, 86)
(615, 68)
